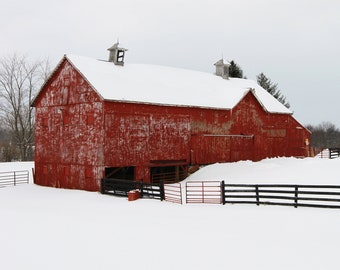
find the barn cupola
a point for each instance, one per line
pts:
(222, 69)
(117, 54)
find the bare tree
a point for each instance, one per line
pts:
(20, 80)
(325, 135)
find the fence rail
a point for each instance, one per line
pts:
(121, 187)
(118, 187)
(216, 192)
(321, 196)
(334, 152)
(154, 191)
(13, 178)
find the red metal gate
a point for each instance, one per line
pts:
(203, 192)
(173, 193)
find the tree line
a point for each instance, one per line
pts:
(324, 135)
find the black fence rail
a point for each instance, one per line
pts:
(121, 187)
(118, 187)
(321, 196)
(13, 178)
(334, 152)
(154, 191)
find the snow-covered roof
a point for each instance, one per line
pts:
(169, 86)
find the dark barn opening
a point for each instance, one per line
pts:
(168, 174)
(126, 173)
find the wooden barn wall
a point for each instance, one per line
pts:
(140, 138)
(136, 134)
(69, 139)
(275, 135)
(144, 136)
(78, 135)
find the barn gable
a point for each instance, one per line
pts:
(60, 89)
(68, 139)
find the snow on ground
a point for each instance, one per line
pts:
(48, 228)
(276, 170)
(18, 166)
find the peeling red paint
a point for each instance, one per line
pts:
(78, 134)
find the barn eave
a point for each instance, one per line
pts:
(166, 104)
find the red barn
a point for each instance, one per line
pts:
(98, 119)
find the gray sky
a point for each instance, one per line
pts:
(294, 42)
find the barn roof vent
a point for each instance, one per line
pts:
(222, 69)
(117, 54)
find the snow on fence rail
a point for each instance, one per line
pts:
(13, 178)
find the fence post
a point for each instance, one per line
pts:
(142, 189)
(257, 195)
(202, 192)
(102, 186)
(186, 192)
(223, 192)
(296, 197)
(14, 178)
(161, 189)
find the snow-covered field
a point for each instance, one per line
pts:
(47, 228)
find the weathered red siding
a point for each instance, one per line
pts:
(69, 136)
(78, 134)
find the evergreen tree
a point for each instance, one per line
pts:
(272, 88)
(235, 70)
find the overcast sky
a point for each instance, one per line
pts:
(294, 42)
